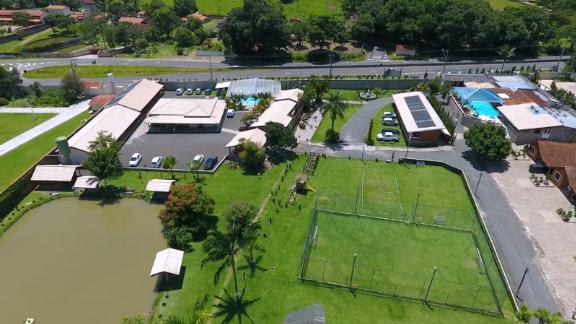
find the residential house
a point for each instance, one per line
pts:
(405, 50)
(560, 159)
(36, 16)
(58, 9)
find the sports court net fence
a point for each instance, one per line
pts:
(365, 278)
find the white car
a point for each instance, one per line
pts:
(199, 158)
(135, 159)
(230, 113)
(156, 161)
(179, 91)
(388, 114)
(189, 92)
(389, 121)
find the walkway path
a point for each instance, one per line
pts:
(305, 135)
(29, 110)
(64, 114)
(513, 244)
(355, 129)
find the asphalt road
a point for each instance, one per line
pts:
(355, 129)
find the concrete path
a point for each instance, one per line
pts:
(355, 129)
(305, 135)
(517, 251)
(64, 115)
(29, 110)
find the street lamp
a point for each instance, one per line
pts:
(445, 54)
(330, 59)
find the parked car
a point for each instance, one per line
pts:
(210, 163)
(179, 91)
(156, 161)
(389, 121)
(199, 158)
(207, 91)
(230, 113)
(388, 114)
(388, 135)
(537, 167)
(135, 160)
(189, 92)
(198, 91)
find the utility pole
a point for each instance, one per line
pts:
(445, 54)
(210, 56)
(478, 184)
(430, 285)
(330, 59)
(352, 273)
(521, 282)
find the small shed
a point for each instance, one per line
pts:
(54, 176)
(310, 315)
(86, 183)
(167, 261)
(159, 188)
(405, 50)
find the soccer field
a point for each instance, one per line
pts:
(398, 259)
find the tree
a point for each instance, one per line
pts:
(320, 85)
(119, 8)
(153, 6)
(242, 230)
(10, 82)
(279, 137)
(58, 21)
(169, 163)
(488, 141)
(184, 7)
(164, 21)
(565, 44)
(298, 29)
(505, 52)
(251, 156)
(103, 157)
(72, 87)
(524, 314)
(183, 37)
(335, 107)
(322, 29)
(187, 215)
(362, 28)
(21, 18)
(257, 27)
(140, 44)
(36, 88)
(88, 30)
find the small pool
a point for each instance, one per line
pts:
(249, 101)
(483, 108)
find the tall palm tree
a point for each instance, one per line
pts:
(169, 163)
(335, 107)
(506, 52)
(242, 230)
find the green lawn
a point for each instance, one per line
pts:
(353, 94)
(22, 158)
(377, 128)
(42, 38)
(99, 71)
(12, 125)
(326, 123)
(73, 48)
(501, 4)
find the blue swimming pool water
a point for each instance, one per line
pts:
(483, 108)
(249, 101)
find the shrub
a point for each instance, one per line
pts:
(332, 136)
(3, 101)
(251, 156)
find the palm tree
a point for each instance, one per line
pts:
(335, 107)
(242, 230)
(169, 163)
(565, 44)
(506, 52)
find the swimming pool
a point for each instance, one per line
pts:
(483, 108)
(249, 101)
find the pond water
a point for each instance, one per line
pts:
(76, 261)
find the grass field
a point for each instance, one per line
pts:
(274, 284)
(501, 4)
(42, 38)
(73, 48)
(377, 128)
(12, 125)
(98, 71)
(326, 123)
(21, 159)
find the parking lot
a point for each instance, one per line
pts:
(183, 146)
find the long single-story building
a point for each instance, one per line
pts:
(204, 115)
(529, 122)
(54, 176)
(560, 159)
(119, 118)
(420, 123)
(282, 110)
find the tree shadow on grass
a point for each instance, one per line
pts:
(233, 307)
(253, 263)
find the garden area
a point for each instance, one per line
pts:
(377, 128)
(13, 125)
(273, 270)
(326, 123)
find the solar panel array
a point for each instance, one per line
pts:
(419, 112)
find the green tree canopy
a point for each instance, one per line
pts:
(184, 7)
(279, 137)
(319, 85)
(103, 160)
(21, 18)
(257, 27)
(164, 21)
(251, 156)
(10, 82)
(488, 141)
(72, 87)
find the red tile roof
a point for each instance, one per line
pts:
(555, 154)
(101, 100)
(520, 97)
(56, 7)
(132, 20)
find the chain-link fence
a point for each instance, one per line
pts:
(482, 290)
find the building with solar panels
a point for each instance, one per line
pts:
(420, 123)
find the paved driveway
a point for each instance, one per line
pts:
(355, 129)
(183, 146)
